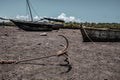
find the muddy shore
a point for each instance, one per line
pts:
(89, 61)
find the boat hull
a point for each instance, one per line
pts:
(57, 26)
(32, 26)
(100, 34)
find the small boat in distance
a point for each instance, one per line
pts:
(90, 34)
(39, 25)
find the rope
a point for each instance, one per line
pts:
(35, 59)
(88, 36)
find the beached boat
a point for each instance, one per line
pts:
(32, 26)
(100, 34)
(36, 25)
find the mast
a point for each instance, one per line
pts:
(29, 10)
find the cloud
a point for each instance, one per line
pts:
(27, 17)
(66, 18)
(21, 17)
(61, 16)
(36, 18)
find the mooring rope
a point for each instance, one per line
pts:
(88, 36)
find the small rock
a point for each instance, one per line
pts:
(43, 34)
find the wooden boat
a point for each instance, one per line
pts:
(32, 26)
(100, 34)
(35, 25)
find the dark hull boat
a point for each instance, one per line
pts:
(36, 25)
(100, 34)
(32, 26)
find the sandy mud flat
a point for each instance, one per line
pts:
(89, 61)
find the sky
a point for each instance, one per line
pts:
(69, 10)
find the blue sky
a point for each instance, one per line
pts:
(74, 10)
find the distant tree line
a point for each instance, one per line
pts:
(76, 25)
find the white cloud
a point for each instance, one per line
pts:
(66, 18)
(61, 16)
(36, 18)
(21, 17)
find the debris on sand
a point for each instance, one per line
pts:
(43, 34)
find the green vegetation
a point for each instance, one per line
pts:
(76, 25)
(6, 24)
(72, 25)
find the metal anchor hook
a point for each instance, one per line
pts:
(59, 53)
(64, 53)
(67, 64)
